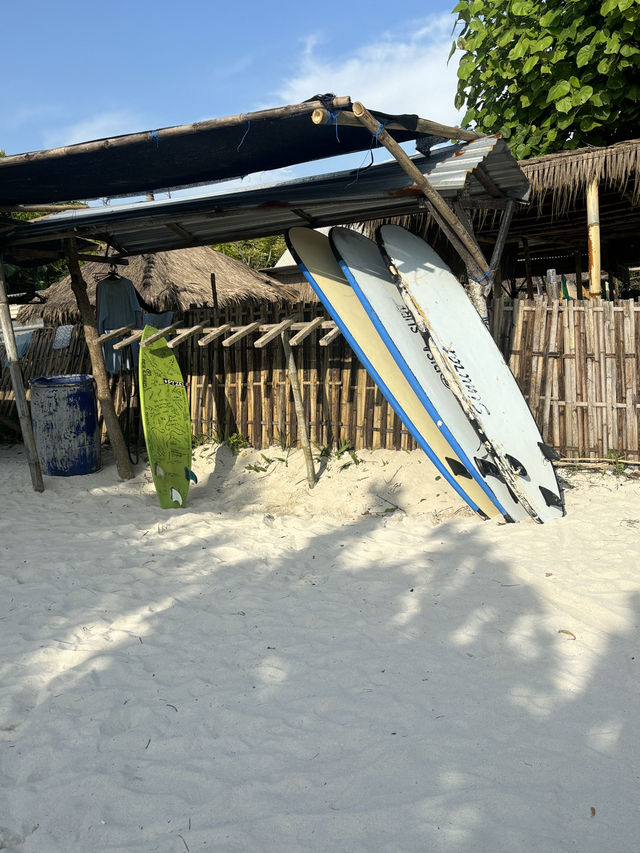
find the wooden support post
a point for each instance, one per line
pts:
(17, 383)
(498, 249)
(577, 255)
(297, 401)
(593, 227)
(437, 203)
(79, 287)
(463, 242)
(527, 268)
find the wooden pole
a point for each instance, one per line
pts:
(437, 203)
(17, 383)
(464, 243)
(297, 401)
(498, 249)
(527, 267)
(423, 126)
(160, 135)
(577, 255)
(79, 287)
(593, 226)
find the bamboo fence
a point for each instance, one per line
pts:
(576, 362)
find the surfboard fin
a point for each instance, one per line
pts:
(190, 475)
(488, 468)
(176, 496)
(548, 452)
(516, 464)
(458, 469)
(551, 499)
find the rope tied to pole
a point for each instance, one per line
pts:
(480, 280)
(333, 119)
(245, 133)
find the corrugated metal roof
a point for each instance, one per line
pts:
(483, 172)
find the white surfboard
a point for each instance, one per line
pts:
(476, 371)
(366, 271)
(313, 254)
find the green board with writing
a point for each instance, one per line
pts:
(165, 419)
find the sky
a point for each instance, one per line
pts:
(75, 71)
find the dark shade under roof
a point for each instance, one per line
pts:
(200, 153)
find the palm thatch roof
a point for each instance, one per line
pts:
(566, 174)
(167, 281)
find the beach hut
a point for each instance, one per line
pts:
(175, 281)
(582, 220)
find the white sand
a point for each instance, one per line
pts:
(359, 668)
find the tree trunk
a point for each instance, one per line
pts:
(79, 287)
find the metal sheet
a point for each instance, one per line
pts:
(343, 197)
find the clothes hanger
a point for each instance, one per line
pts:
(112, 275)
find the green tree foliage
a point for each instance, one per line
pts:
(550, 74)
(257, 253)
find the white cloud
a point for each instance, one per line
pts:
(98, 126)
(401, 72)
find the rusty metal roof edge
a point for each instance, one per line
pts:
(448, 168)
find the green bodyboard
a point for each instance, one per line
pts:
(165, 420)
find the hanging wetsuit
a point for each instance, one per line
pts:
(117, 305)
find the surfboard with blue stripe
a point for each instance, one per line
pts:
(365, 270)
(315, 258)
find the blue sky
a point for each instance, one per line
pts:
(75, 71)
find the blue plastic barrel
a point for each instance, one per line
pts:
(64, 412)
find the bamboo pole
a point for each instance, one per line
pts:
(463, 242)
(241, 332)
(114, 333)
(130, 339)
(184, 335)
(161, 333)
(164, 133)
(331, 335)
(593, 227)
(79, 287)
(527, 267)
(577, 255)
(422, 125)
(501, 240)
(273, 332)
(297, 401)
(306, 331)
(17, 383)
(213, 334)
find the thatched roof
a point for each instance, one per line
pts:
(167, 281)
(566, 174)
